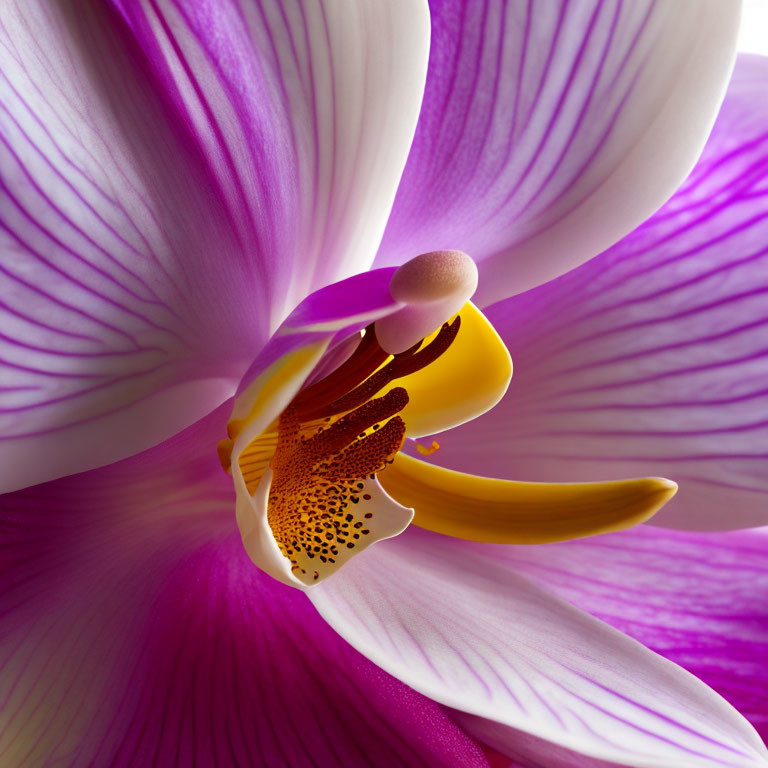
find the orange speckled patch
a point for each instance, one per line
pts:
(319, 492)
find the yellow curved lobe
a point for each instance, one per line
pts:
(511, 512)
(468, 379)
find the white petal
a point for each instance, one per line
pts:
(472, 634)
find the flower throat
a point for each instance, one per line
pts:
(328, 445)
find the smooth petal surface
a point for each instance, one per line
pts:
(510, 512)
(176, 177)
(470, 633)
(550, 129)
(469, 378)
(653, 358)
(699, 599)
(135, 631)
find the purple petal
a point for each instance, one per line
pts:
(701, 600)
(135, 631)
(328, 315)
(550, 130)
(469, 632)
(175, 179)
(653, 358)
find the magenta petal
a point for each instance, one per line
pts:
(135, 631)
(652, 359)
(329, 314)
(359, 299)
(550, 129)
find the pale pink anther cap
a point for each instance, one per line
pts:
(433, 286)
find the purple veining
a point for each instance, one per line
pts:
(194, 195)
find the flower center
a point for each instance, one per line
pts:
(327, 447)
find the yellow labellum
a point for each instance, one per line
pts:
(512, 512)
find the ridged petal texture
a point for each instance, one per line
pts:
(550, 129)
(653, 357)
(176, 177)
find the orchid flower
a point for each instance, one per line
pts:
(242, 341)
